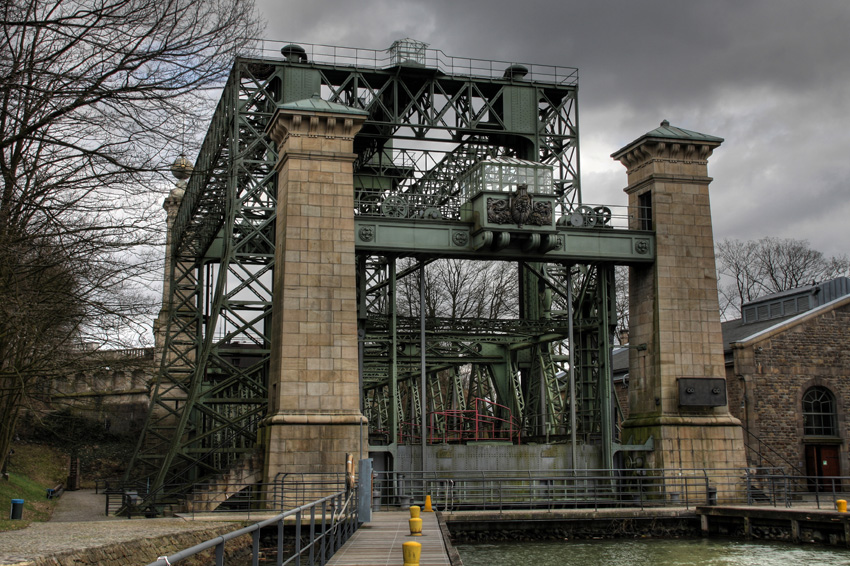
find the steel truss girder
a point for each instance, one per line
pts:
(541, 398)
(223, 241)
(447, 239)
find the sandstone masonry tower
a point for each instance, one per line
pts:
(677, 391)
(314, 394)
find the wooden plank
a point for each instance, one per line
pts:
(378, 542)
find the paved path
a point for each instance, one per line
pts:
(79, 523)
(79, 506)
(378, 542)
(46, 539)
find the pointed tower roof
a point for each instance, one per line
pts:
(318, 104)
(667, 133)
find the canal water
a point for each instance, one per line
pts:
(652, 552)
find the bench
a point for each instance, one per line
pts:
(55, 491)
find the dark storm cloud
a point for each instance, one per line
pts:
(769, 76)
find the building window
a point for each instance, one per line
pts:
(819, 418)
(645, 211)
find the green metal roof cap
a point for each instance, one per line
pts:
(318, 104)
(667, 132)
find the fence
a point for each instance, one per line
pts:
(330, 522)
(504, 490)
(643, 488)
(559, 490)
(769, 486)
(287, 491)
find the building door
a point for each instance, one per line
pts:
(822, 462)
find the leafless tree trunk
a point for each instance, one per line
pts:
(92, 97)
(621, 298)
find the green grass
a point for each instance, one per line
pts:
(32, 469)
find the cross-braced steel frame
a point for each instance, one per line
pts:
(430, 120)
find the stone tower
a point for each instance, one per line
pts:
(677, 387)
(314, 393)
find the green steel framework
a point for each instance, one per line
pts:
(431, 118)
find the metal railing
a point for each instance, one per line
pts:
(595, 489)
(123, 496)
(765, 453)
(330, 522)
(563, 489)
(342, 56)
(768, 486)
(288, 491)
(294, 489)
(484, 421)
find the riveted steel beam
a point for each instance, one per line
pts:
(449, 239)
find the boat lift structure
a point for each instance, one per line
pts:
(458, 159)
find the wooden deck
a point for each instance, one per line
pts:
(378, 543)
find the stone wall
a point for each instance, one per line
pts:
(147, 550)
(114, 392)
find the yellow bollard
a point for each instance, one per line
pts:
(411, 551)
(842, 505)
(414, 511)
(415, 527)
(428, 504)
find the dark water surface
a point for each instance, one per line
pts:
(652, 552)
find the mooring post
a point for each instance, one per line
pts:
(795, 530)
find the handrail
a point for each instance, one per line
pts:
(761, 442)
(786, 490)
(342, 526)
(346, 56)
(524, 489)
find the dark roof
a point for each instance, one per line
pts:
(620, 360)
(666, 132)
(318, 104)
(736, 330)
(795, 291)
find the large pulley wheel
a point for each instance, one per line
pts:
(394, 207)
(603, 215)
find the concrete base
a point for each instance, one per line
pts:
(709, 443)
(315, 445)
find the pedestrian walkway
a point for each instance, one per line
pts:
(79, 523)
(80, 506)
(379, 541)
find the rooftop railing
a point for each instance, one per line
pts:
(341, 56)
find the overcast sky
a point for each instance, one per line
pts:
(772, 77)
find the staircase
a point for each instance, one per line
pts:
(209, 495)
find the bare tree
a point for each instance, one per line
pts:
(457, 288)
(92, 93)
(749, 270)
(621, 291)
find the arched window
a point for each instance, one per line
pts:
(819, 418)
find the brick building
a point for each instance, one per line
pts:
(788, 378)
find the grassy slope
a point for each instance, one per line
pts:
(32, 469)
